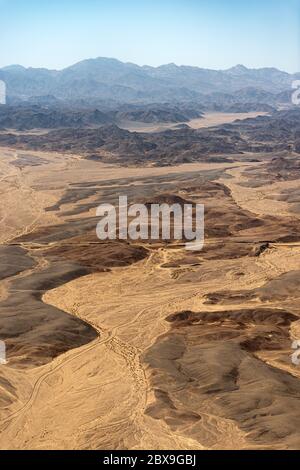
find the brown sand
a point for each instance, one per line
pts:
(164, 349)
(209, 120)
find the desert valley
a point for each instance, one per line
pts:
(142, 344)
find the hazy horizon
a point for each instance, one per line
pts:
(215, 34)
(144, 65)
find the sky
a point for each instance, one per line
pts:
(215, 34)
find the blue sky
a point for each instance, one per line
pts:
(208, 33)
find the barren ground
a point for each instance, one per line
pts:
(209, 120)
(146, 346)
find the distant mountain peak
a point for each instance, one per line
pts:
(240, 68)
(14, 68)
(113, 80)
(170, 66)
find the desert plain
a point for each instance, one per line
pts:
(144, 345)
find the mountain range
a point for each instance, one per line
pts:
(111, 80)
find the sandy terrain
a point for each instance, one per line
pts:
(146, 346)
(209, 120)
